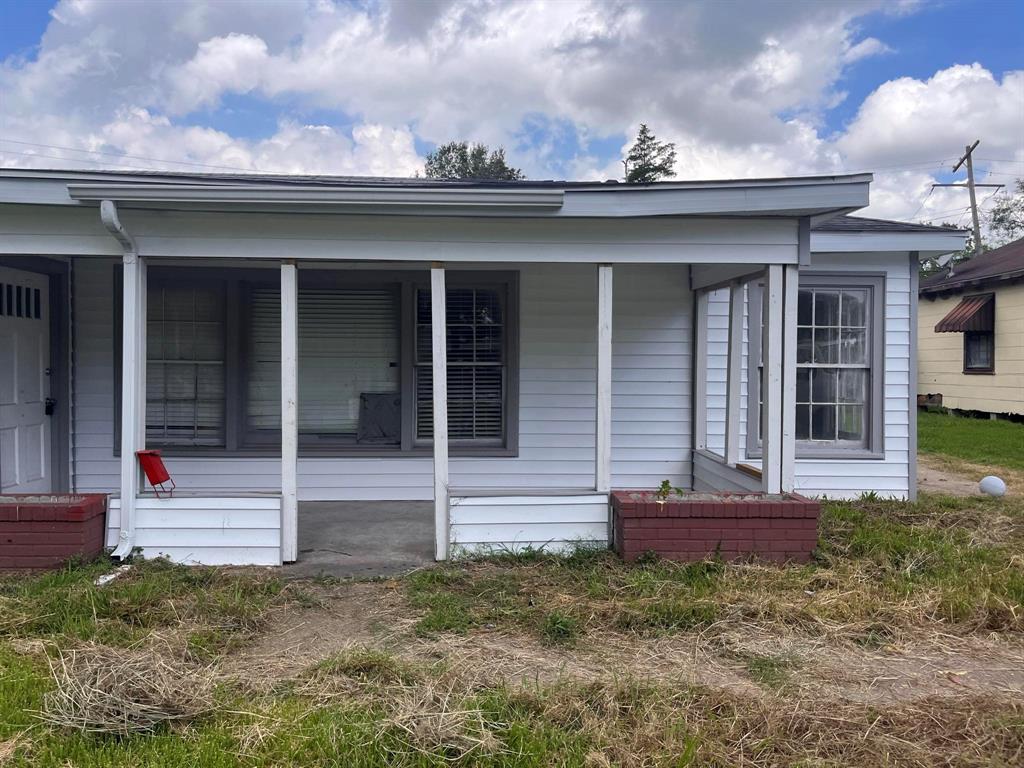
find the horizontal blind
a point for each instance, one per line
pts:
(185, 365)
(475, 333)
(348, 346)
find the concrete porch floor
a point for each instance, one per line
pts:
(363, 538)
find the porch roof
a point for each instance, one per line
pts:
(815, 196)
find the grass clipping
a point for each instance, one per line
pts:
(122, 691)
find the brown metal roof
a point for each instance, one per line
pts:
(973, 313)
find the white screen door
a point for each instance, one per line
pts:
(24, 382)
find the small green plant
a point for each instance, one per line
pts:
(664, 490)
(560, 628)
(770, 671)
(870, 496)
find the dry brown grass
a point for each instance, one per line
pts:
(636, 725)
(102, 689)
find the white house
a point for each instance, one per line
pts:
(276, 337)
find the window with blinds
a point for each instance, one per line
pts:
(348, 353)
(185, 364)
(476, 365)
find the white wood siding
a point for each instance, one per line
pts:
(711, 474)
(889, 476)
(512, 523)
(558, 351)
(205, 531)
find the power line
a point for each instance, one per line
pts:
(995, 160)
(120, 155)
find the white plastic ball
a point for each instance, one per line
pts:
(992, 485)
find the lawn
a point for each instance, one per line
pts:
(902, 644)
(984, 442)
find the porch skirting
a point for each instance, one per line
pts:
(205, 530)
(512, 523)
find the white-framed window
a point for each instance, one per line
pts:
(839, 365)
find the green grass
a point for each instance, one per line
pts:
(154, 594)
(883, 571)
(997, 443)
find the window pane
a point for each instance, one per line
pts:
(852, 347)
(851, 422)
(823, 422)
(803, 422)
(804, 307)
(826, 308)
(854, 308)
(978, 349)
(824, 385)
(804, 345)
(826, 345)
(853, 386)
(803, 385)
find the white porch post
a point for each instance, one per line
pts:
(133, 393)
(733, 373)
(788, 456)
(439, 349)
(700, 373)
(603, 467)
(772, 358)
(289, 412)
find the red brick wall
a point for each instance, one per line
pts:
(735, 526)
(44, 531)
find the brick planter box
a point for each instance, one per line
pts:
(43, 531)
(699, 525)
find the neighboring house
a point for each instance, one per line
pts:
(277, 338)
(971, 335)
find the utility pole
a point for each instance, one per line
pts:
(970, 188)
(966, 158)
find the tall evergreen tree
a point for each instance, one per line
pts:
(649, 159)
(459, 160)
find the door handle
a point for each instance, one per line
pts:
(50, 406)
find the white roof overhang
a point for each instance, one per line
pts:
(929, 245)
(813, 196)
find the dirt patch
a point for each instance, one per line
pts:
(375, 616)
(938, 474)
(294, 638)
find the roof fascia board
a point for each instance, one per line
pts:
(929, 244)
(970, 284)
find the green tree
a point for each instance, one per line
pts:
(1006, 219)
(649, 159)
(459, 160)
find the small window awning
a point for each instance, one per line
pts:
(973, 313)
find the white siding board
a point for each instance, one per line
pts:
(208, 531)
(511, 522)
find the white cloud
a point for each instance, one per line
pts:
(739, 99)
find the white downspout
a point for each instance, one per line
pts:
(133, 377)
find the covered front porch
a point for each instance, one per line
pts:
(620, 400)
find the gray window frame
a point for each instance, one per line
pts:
(875, 283)
(241, 442)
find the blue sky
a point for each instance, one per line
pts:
(743, 89)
